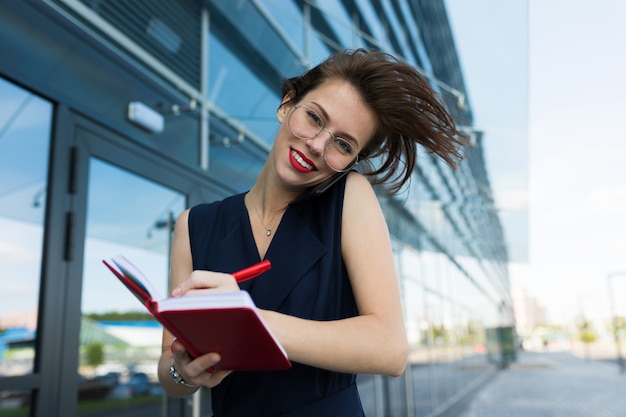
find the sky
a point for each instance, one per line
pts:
(575, 184)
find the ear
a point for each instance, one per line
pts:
(285, 107)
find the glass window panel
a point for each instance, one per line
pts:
(396, 396)
(371, 393)
(378, 34)
(397, 28)
(288, 17)
(120, 344)
(422, 59)
(319, 49)
(237, 91)
(413, 303)
(339, 20)
(256, 33)
(25, 122)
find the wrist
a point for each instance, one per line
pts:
(177, 378)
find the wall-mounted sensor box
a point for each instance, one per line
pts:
(145, 117)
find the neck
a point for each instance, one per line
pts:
(268, 194)
(268, 218)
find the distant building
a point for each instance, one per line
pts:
(529, 313)
(139, 333)
(19, 319)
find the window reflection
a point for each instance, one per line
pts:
(340, 22)
(289, 19)
(445, 328)
(25, 122)
(120, 343)
(240, 93)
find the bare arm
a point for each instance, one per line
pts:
(375, 340)
(181, 273)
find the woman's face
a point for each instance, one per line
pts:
(300, 163)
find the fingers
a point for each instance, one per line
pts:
(198, 371)
(215, 378)
(206, 281)
(180, 353)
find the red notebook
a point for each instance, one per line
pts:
(225, 322)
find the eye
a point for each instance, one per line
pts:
(315, 118)
(344, 146)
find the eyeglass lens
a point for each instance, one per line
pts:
(305, 123)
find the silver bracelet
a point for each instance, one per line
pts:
(179, 379)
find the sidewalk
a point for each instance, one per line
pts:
(550, 385)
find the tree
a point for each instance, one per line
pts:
(586, 334)
(94, 354)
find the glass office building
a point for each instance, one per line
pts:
(117, 115)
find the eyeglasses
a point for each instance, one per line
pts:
(339, 154)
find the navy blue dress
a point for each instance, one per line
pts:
(308, 279)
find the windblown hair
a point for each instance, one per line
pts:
(409, 112)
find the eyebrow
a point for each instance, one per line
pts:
(345, 135)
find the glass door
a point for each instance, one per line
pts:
(25, 125)
(120, 343)
(119, 199)
(73, 339)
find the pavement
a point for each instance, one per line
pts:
(549, 384)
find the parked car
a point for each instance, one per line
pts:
(138, 384)
(112, 379)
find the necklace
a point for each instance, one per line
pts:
(268, 230)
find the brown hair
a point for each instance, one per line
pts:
(409, 112)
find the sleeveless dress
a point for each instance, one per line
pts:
(308, 279)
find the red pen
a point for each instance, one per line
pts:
(252, 271)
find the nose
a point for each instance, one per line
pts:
(317, 144)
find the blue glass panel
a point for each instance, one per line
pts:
(253, 29)
(237, 163)
(319, 50)
(25, 123)
(373, 22)
(422, 59)
(397, 28)
(236, 90)
(120, 343)
(288, 16)
(340, 21)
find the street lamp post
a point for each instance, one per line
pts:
(618, 346)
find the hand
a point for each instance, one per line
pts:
(201, 282)
(197, 371)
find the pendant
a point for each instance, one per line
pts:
(269, 232)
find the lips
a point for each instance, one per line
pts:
(300, 162)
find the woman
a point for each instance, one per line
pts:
(331, 297)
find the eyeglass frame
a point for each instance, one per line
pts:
(332, 136)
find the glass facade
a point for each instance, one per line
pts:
(25, 126)
(119, 341)
(223, 62)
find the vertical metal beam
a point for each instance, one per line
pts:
(204, 91)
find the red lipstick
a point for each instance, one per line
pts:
(297, 164)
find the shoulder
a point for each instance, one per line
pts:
(183, 217)
(358, 190)
(356, 179)
(361, 209)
